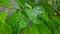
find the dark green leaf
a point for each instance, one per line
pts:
(32, 3)
(43, 29)
(17, 21)
(53, 26)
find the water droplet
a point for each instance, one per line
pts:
(40, 12)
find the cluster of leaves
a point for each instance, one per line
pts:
(33, 17)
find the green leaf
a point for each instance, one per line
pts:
(57, 19)
(48, 8)
(43, 29)
(17, 21)
(21, 3)
(34, 13)
(5, 29)
(31, 29)
(7, 4)
(32, 3)
(3, 16)
(53, 26)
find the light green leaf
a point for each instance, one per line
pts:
(34, 13)
(5, 29)
(3, 16)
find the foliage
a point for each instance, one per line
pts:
(32, 17)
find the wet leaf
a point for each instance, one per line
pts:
(17, 21)
(34, 13)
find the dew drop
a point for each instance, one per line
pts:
(40, 12)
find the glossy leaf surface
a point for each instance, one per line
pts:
(34, 13)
